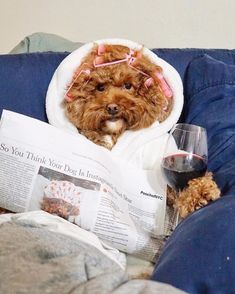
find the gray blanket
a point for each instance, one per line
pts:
(42, 42)
(36, 260)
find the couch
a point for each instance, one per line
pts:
(199, 257)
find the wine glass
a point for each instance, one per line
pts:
(185, 155)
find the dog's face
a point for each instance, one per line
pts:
(117, 96)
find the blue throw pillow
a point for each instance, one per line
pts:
(24, 79)
(211, 103)
(200, 257)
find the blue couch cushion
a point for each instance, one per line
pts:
(200, 257)
(24, 80)
(211, 103)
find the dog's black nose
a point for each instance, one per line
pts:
(112, 108)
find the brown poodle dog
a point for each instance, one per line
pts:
(117, 89)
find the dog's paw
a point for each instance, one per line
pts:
(105, 141)
(198, 193)
(99, 139)
(108, 142)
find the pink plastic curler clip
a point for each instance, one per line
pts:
(163, 84)
(166, 105)
(101, 49)
(67, 96)
(148, 82)
(99, 60)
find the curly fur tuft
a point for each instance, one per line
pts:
(198, 193)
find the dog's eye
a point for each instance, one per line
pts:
(127, 86)
(100, 87)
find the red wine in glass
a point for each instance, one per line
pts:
(180, 168)
(185, 155)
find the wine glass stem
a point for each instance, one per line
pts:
(177, 217)
(177, 212)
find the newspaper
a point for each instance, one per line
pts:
(43, 167)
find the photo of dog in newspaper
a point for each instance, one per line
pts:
(60, 194)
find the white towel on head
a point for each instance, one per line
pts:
(142, 148)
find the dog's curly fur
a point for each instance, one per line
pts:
(122, 88)
(113, 98)
(198, 193)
